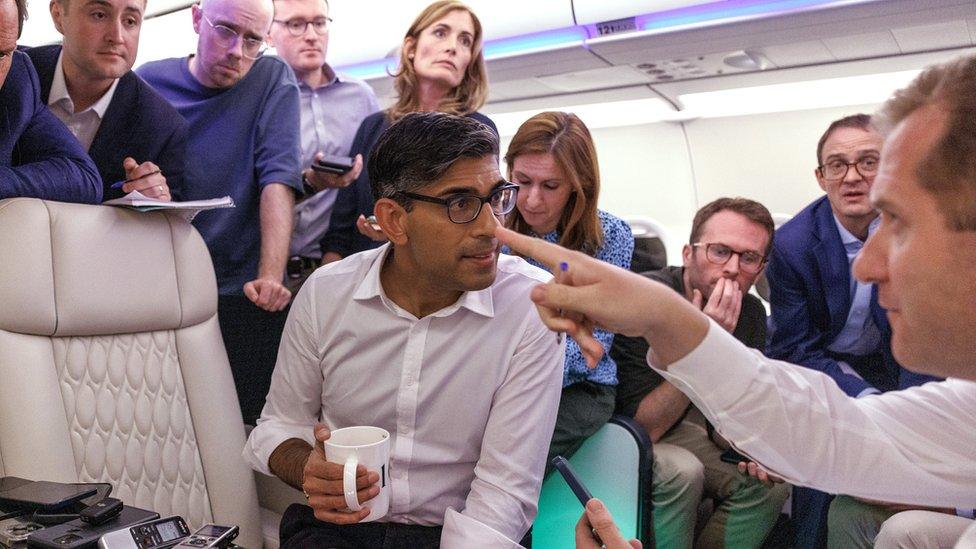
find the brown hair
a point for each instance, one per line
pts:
(750, 209)
(567, 139)
(21, 15)
(859, 121)
(467, 97)
(949, 169)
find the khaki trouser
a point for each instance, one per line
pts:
(745, 509)
(856, 524)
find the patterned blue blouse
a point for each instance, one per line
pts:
(618, 247)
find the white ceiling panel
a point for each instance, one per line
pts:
(950, 34)
(800, 53)
(610, 77)
(597, 11)
(558, 61)
(859, 46)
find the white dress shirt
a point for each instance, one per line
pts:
(84, 125)
(914, 446)
(469, 393)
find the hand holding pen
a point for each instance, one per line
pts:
(145, 178)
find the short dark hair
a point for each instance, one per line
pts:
(420, 148)
(750, 209)
(860, 121)
(21, 15)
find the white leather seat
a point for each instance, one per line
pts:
(112, 367)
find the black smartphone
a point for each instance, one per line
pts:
(8, 483)
(45, 495)
(733, 457)
(338, 165)
(566, 470)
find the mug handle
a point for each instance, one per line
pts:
(349, 483)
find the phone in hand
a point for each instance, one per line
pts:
(339, 165)
(733, 457)
(569, 475)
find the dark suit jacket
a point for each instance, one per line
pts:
(138, 123)
(39, 158)
(809, 282)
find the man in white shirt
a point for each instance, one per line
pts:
(914, 446)
(430, 337)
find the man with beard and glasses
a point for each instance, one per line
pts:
(431, 337)
(242, 110)
(730, 238)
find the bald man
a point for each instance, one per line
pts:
(243, 115)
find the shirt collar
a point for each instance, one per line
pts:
(478, 302)
(59, 91)
(848, 238)
(331, 77)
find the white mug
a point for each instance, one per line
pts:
(367, 445)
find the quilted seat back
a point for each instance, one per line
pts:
(112, 367)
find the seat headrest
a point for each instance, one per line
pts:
(77, 270)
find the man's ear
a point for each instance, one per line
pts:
(57, 12)
(392, 218)
(820, 180)
(197, 12)
(686, 255)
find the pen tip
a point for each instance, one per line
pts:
(563, 266)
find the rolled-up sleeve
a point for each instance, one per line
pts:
(294, 403)
(913, 446)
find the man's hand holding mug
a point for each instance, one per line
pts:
(345, 472)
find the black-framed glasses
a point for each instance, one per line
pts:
(465, 208)
(836, 170)
(720, 254)
(226, 37)
(298, 27)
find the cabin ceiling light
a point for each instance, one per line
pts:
(594, 115)
(795, 96)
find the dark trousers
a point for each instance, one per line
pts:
(301, 530)
(251, 336)
(584, 407)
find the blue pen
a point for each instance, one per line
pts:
(118, 184)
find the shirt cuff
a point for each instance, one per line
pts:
(265, 439)
(463, 532)
(868, 391)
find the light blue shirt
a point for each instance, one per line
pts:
(331, 115)
(860, 336)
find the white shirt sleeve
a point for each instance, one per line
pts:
(913, 446)
(294, 402)
(508, 476)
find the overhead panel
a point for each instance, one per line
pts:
(860, 46)
(950, 34)
(597, 11)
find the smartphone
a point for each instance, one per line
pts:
(46, 495)
(211, 535)
(733, 457)
(339, 165)
(7, 483)
(566, 470)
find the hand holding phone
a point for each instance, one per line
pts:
(339, 165)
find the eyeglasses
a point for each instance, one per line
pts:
(465, 208)
(836, 170)
(298, 27)
(226, 37)
(720, 254)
